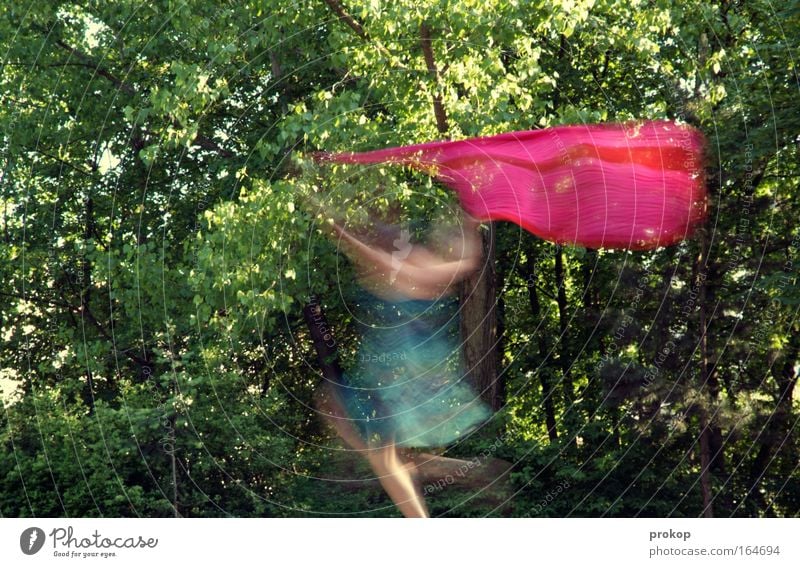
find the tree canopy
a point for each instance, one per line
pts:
(157, 250)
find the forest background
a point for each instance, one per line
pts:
(155, 257)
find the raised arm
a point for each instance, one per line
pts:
(419, 268)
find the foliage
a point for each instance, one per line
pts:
(159, 240)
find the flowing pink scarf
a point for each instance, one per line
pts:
(634, 186)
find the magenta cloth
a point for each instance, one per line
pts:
(636, 185)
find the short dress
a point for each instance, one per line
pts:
(408, 384)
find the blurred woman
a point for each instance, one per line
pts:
(408, 388)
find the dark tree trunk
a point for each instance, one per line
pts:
(478, 304)
(479, 324)
(705, 465)
(430, 62)
(529, 269)
(564, 359)
(324, 342)
(499, 398)
(174, 467)
(86, 291)
(707, 381)
(778, 428)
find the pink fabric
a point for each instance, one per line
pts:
(634, 185)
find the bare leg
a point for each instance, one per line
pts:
(393, 473)
(396, 479)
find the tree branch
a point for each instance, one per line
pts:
(61, 161)
(430, 62)
(211, 145)
(339, 10)
(77, 309)
(354, 25)
(86, 61)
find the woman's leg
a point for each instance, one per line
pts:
(392, 471)
(395, 476)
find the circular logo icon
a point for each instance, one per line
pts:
(31, 540)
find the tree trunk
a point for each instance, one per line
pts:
(564, 359)
(478, 305)
(324, 342)
(706, 380)
(499, 398)
(174, 466)
(705, 465)
(430, 62)
(778, 428)
(536, 311)
(85, 287)
(479, 324)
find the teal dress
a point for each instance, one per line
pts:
(408, 384)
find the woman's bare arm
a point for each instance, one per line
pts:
(432, 272)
